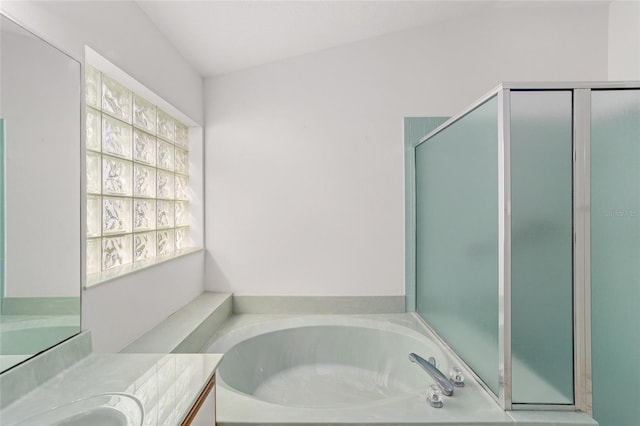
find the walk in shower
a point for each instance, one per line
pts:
(523, 235)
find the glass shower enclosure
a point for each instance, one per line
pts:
(525, 235)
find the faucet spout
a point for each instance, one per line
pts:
(432, 370)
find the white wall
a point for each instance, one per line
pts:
(122, 33)
(624, 40)
(119, 311)
(304, 157)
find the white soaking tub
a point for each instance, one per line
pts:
(301, 370)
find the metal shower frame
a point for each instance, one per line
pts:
(581, 135)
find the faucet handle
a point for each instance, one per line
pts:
(434, 396)
(456, 377)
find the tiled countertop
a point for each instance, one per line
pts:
(167, 385)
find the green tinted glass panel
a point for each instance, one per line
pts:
(457, 237)
(415, 128)
(2, 203)
(615, 256)
(541, 247)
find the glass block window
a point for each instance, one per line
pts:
(137, 177)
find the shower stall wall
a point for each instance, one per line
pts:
(508, 248)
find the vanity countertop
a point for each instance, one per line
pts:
(167, 385)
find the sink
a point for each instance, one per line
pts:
(96, 416)
(105, 409)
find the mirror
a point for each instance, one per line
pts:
(40, 274)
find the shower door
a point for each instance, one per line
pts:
(541, 143)
(615, 256)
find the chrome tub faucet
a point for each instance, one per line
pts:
(429, 366)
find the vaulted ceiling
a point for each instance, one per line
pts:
(218, 37)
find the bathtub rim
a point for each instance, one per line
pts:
(467, 408)
(228, 341)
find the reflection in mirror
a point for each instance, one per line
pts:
(40, 272)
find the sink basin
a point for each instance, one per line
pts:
(96, 416)
(106, 409)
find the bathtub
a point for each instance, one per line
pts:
(331, 369)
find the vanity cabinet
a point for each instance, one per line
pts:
(203, 411)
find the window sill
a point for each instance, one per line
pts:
(97, 278)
